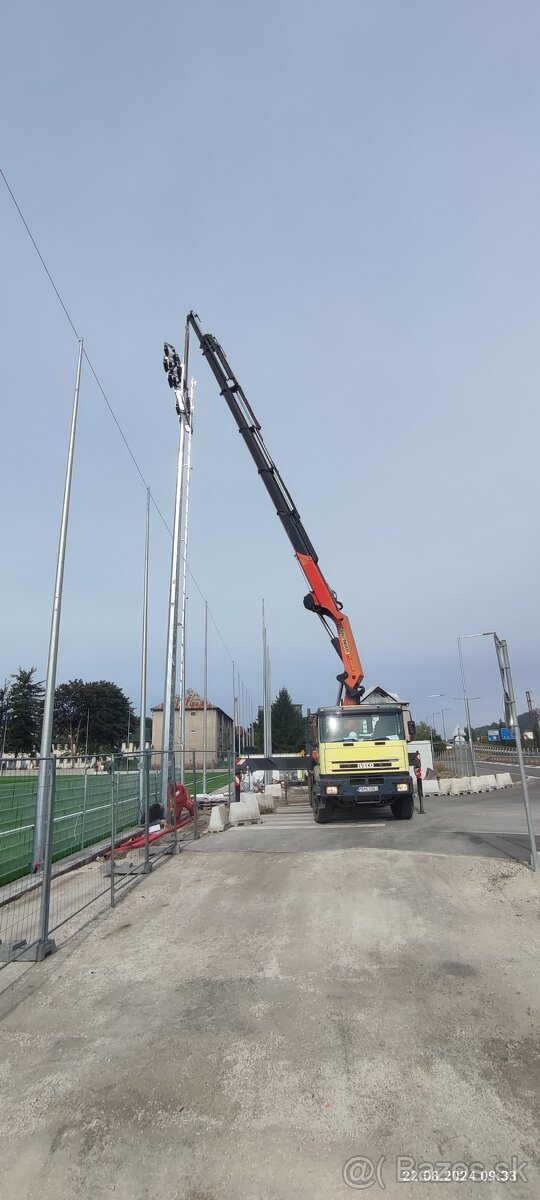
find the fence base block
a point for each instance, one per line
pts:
(22, 952)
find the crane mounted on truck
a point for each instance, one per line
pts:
(376, 773)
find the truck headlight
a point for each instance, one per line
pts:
(402, 787)
(331, 790)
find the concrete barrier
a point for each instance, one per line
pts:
(458, 787)
(267, 804)
(444, 787)
(431, 787)
(245, 811)
(218, 819)
(504, 780)
(483, 783)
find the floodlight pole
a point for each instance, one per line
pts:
(45, 776)
(182, 688)
(177, 375)
(143, 779)
(205, 702)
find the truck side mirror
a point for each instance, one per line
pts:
(412, 729)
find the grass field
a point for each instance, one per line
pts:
(82, 814)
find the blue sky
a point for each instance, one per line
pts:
(349, 199)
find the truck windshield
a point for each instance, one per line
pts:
(368, 727)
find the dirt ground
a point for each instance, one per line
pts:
(258, 1026)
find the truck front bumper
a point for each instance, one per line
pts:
(369, 789)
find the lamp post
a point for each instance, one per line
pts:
(466, 699)
(441, 695)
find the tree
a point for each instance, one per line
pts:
(425, 733)
(25, 713)
(258, 731)
(71, 715)
(288, 725)
(5, 694)
(99, 708)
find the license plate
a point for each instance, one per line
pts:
(368, 789)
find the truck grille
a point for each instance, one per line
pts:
(384, 764)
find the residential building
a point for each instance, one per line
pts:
(219, 729)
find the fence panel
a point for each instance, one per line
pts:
(23, 894)
(108, 827)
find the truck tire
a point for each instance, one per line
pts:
(322, 815)
(403, 808)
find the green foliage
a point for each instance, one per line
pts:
(288, 725)
(425, 733)
(258, 732)
(23, 712)
(101, 708)
(5, 692)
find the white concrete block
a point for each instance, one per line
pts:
(478, 784)
(459, 786)
(244, 811)
(218, 819)
(444, 787)
(504, 779)
(490, 782)
(267, 804)
(251, 807)
(431, 787)
(272, 789)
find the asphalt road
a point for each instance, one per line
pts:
(491, 825)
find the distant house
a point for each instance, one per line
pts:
(219, 737)
(379, 695)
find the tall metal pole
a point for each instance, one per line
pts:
(512, 722)
(177, 378)
(267, 709)
(233, 713)
(467, 711)
(143, 793)
(205, 707)
(44, 784)
(182, 688)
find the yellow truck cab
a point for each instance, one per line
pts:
(357, 755)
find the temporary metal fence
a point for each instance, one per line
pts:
(106, 828)
(459, 760)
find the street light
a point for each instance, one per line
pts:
(510, 712)
(466, 699)
(441, 711)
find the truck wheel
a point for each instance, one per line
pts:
(322, 815)
(403, 808)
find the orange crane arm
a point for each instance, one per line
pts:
(320, 599)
